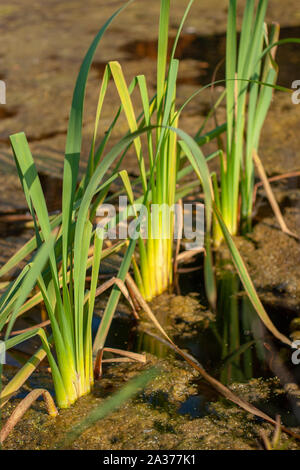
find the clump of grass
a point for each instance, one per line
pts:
(68, 245)
(153, 271)
(250, 78)
(61, 283)
(167, 149)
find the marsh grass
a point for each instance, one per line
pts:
(153, 269)
(62, 260)
(68, 245)
(247, 102)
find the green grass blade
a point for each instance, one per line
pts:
(246, 280)
(230, 71)
(124, 94)
(187, 10)
(21, 376)
(112, 303)
(102, 93)
(246, 33)
(147, 115)
(30, 279)
(35, 199)
(278, 43)
(57, 379)
(74, 138)
(10, 295)
(25, 250)
(162, 53)
(30, 181)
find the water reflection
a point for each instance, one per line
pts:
(236, 329)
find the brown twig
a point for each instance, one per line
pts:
(274, 445)
(179, 232)
(271, 197)
(291, 174)
(39, 325)
(9, 218)
(121, 285)
(127, 356)
(98, 364)
(188, 270)
(184, 256)
(22, 407)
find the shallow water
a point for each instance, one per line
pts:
(232, 344)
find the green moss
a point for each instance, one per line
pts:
(151, 420)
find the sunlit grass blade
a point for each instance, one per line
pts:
(21, 376)
(99, 235)
(37, 205)
(121, 85)
(251, 74)
(30, 280)
(230, 71)
(61, 394)
(102, 93)
(162, 53)
(10, 295)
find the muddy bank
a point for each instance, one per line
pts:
(273, 261)
(176, 411)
